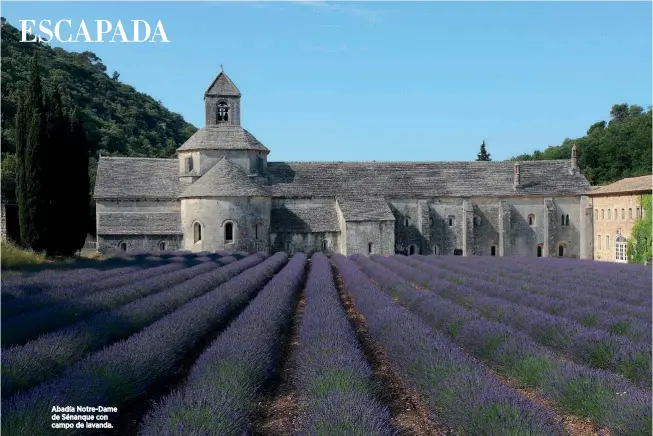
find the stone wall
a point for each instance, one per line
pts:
(608, 227)
(250, 217)
(305, 242)
(381, 234)
(204, 160)
(111, 243)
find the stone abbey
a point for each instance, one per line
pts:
(222, 194)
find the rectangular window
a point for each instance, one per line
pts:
(607, 242)
(623, 214)
(630, 213)
(602, 214)
(609, 214)
(637, 214)
(599, 239)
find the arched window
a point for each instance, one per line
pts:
(609, 214)
(122, 246)
(493, 251)
(228, 232)
(623, 213)
(477, 221)
(620, 248)
(450, 218)
(602, 214)
(412, 249)
(189, 164)
(223, 111)
(562, 219)
(288, 246)
(162, 245)
(407, 221)
(567, 220)
(197, 232)
(531, 220)
(630, 213)
(431, 222)
(607, 242)
(436, 249)
(325, 245)
(637, 213)
(598, 238)
(370, 248)
(615, 214)
(539, 250)
(596, 214)
(561, 250)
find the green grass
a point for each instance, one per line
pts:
(13, 257)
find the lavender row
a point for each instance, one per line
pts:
(28, 326)
(125, 370)
(453, 385)
(28, 303)
(517, 356)
(48, 356)
(333, 378)
(558, 287)
(573, 306)
(222, 386)
(587, 346)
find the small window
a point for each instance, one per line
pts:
(539, 251)
(630, 213)
(602, 214)
(122, 246)
(623, 214)
(458, 252)
(567, 220)
(609, 214)
(162, 246)
(562, 220)
(325, 245)
(370, 248)
(450, 219)
(412, 249)
(615, 214)
(607, 242)
(598, 238)
(229, 232)
(637, 213)
(407, 221)
(596, 214)
(436, 249)
(197, 232)
(531, 220)
(223, 112)
(189, 164)
(431, 222)
(256, 232)
(561, 250)
(477, 221)
(493, 251)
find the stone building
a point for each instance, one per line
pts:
(616, 207)
(222, 193)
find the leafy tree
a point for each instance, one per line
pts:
(483, 155)
(639, 245)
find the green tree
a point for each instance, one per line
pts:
(483, 155)
(639, 245)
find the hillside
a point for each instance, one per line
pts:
(611, 150)
(118, 120)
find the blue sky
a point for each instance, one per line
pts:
(389, 80)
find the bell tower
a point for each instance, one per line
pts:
(222, 102)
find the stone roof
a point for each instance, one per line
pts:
(222, 86)
(139, 223)
(366, 209)
(137, 178)
(224, 179)
(624, 186)
(222, 137)
(304, 218)
(423, 179)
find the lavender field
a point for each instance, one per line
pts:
(238, 343)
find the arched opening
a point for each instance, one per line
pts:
(607, 242)
(561, 250)
(325, 245)
(493, 251)
(531, 220)
(407, 221)
(567, 220)
(229, 232)
(458, 252)
(197, 232)
(620, 248)
(596, 214)
(630, 213)
(162, 245)
(412, 249)
(539, 251)
(602, 214)
(436, 249)
(370, 248)
(609, 214)
(598, 239)
(189, 164)
(562, 220)
(122, 246)
(223, 111)
(477, 221)
(623, 213)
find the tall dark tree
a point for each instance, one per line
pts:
(33, 203)
(483, 155)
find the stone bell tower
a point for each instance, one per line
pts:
(222, 102)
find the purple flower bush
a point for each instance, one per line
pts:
(49, 355)
(219, 396)
(332, 375)
(25, 327)
(125, 370)
(603, 351)
(455, 388)
(514, 354)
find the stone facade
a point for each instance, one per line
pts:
(222, 193)
(615, 208)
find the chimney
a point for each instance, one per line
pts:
(517, 180)
(574, 159)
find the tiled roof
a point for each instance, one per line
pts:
(222, 137)
(139, 223)
(223, 86)
(304, 218)
(138, 178)
(629, 185)
(422, 179)
(224, 179)
(366, 209)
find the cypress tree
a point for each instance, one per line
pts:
(33, 201)
(483, 155)
(22, 124)
(78, 197)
